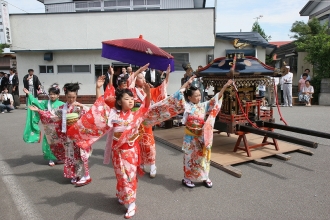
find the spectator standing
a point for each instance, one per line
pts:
(123, 70)
(107, 78)
(276, 81)
(129, 70)
(13, 83)
(3, 81)
(188, 73)
(287, 87)
(262, 90)
(16, 98)
(153, 77)
(31, 82)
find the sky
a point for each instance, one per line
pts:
(232, 16)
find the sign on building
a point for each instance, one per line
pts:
(5, 23)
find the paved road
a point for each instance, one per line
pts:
(295, 189)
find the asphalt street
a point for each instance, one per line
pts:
(294, 189)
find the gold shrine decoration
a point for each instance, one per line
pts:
(238, 45)
(239, 82)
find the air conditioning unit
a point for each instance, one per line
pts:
(48, 56)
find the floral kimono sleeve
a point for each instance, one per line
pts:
(110, 96)
(91, 126)
(31, 132)
(159, 93)
(209, 105)
(214, 106)
(165, 109)
(53, 127)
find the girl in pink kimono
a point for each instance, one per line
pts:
(123, 147)
(198, 136)
(56, 126)
(121, 124)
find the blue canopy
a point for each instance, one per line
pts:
(244, 67)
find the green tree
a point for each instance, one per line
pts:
(314, 38)
(2, 46)
(256, 27)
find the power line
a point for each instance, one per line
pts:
(15, 6)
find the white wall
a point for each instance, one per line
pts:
(165, 28)
(32, 60)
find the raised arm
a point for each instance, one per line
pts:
(99, 84)
(111, 76)
(146, 89)
(134, 74)
(168, 73)
(230, 82)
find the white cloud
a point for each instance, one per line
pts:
(278, 16)
(25, 6)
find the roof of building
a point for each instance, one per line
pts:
(308, 8)
(197, 3)
(286, 49)
(280, 43)
(253, 38)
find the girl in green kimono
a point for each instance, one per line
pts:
(32, 132)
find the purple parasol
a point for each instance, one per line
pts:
(137, 51)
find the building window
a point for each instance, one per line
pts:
(324, 19)
(1, 30)
(73, 69)
(64, 68)
(81, 69)
(100, 70)
(179, 59)
(46, 69)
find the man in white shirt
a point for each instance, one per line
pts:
(287, 88)
(7, 101)
(153, 77)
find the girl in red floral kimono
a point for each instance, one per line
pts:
(56, 127)
(147, 140)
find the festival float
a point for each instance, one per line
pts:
(254, 129)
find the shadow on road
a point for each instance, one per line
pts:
(96, 201)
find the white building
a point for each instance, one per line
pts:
(56, 6)
(63, 46)
(317, 9)
(5, 30)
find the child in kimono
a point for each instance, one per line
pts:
(32, 131)
(198, 136)
(147, 140)
(122, 126)
(76, 159)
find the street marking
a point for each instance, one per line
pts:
(23, 204)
